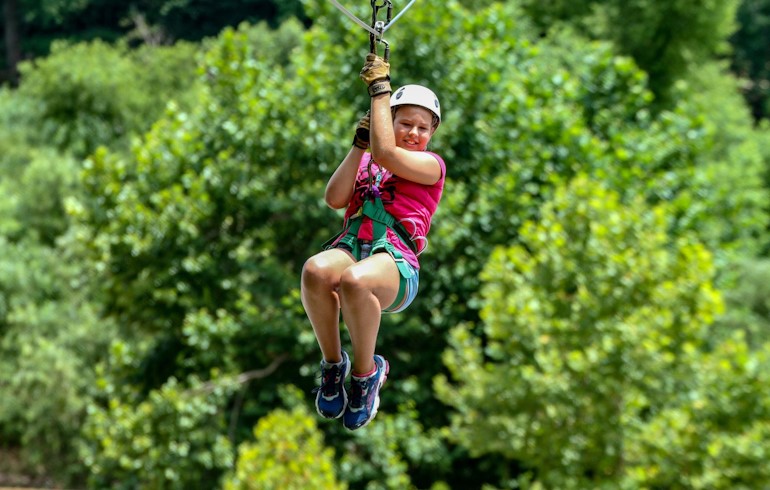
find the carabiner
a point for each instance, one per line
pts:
(380, 26)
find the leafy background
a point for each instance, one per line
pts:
(593, 310)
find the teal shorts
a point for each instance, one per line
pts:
(407, 291)
(407, 287)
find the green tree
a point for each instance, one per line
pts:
(50, 337)
(732, 224)
(50, 333)
(713, 437)
(199, 232)
(192, 239)
(667, 40)
(287, 452)
(589, 324)
(568, 107)
(748, 304)
(407, 455)
(737, 153)
(174, 438)
(36, 199)
(32, 26)
(751, 50)
(93, 94)
(194, 234)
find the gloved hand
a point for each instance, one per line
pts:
(361, 139)
(376, 75)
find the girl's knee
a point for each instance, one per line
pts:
(351, 282)
(316, 273)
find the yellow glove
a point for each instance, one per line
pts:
(376, 75)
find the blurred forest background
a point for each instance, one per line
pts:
(594, 310)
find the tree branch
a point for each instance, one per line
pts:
(243, 378)
(264, 372)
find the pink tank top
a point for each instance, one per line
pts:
(410, 203)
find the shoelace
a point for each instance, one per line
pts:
(356, 393)
(329, 381)
(356, 396)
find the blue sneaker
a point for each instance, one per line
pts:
(331, 398)
(365, 396)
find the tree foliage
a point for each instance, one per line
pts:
(287, 452)
(751, 50)
(587, 232)
(204, 226)
(666, 40)
(50, 337)
(32, 26)
(173, 438)
(590, 324)
(94, 94)
(713, 436)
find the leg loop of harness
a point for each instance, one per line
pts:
(381, 222)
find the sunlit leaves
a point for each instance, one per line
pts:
(582, 341)
(288, 452)
(592, 322)
(95, 94)
(715, 435)
(172, 439)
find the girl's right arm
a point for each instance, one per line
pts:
(341, 184)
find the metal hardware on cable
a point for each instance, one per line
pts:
(377, 28)
(373, 191)
(403, 11)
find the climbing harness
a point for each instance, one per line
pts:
(382, 220)
(377, 28)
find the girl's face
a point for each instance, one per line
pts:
(413, 127)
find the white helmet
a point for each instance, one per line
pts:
(419, 96)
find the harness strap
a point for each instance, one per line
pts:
(381, 222)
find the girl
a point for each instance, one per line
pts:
(391, 194)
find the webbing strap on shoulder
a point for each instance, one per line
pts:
(376, 211)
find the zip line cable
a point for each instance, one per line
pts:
(364, 24)
(376, 29)
(355, 19)
(403, 11)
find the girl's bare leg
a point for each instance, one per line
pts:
(365, 289)
(320, 282)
